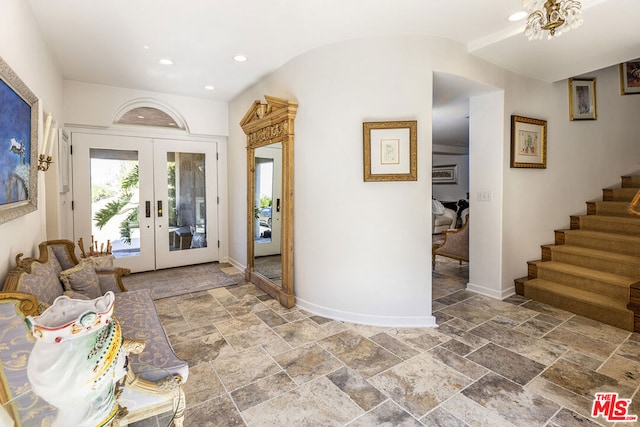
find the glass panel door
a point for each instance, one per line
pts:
(186, 188)
(115, 202)
(186, 198)
(113, 191)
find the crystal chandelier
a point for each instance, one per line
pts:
(554, 16)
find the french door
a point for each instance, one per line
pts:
(153, 202)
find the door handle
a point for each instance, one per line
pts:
(159, 208)
(147, 209)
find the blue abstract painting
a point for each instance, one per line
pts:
(15, 146)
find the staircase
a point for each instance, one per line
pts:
(593, 269)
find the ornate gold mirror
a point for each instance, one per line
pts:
(269, 129)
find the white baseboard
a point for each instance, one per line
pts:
(492, 293)
(367, 319)
(236, 264)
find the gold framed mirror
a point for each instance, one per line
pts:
(270, 132)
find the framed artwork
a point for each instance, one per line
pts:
(63, 159)
(630, 77)
(582, 99)
(390, 151)
(528, 142)
(19, 111)
(445, 174)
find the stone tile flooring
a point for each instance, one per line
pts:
(489, 363)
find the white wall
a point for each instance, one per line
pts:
(23, 48)
(486, 136)
(452, 192)
(362, 250)
(96, 105)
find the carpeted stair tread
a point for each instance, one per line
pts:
(630, 181)
(611, 208)
(587, 272)
(611, 224)
(594, 306)
(618, 243)
(625, 265)
(619, 194)
(603, 283)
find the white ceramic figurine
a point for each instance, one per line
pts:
(77, 360)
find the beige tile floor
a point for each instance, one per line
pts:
(489, 363)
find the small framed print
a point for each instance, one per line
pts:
(630, 77)
(528, 142)
(582, 99)
(390, 151)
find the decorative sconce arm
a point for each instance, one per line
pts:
(43, 164)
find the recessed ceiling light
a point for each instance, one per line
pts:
(141, 117)
(518, 16)
(209, 87)
(165, 61)
(240, 58)
(146, 47)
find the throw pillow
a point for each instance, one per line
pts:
(76, 295)
(82, 279)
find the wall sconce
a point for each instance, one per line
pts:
(44, 159)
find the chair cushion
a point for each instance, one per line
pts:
(82, 279)
(436, 207)
(443, 220)
(139, 319)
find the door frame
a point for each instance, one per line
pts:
(176, 135)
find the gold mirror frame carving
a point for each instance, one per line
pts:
(266, 124)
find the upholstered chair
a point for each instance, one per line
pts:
(455, 245)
